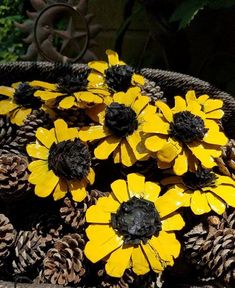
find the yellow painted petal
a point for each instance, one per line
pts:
(19, 116)
(155, 124)
(106, 147)
(202, 154)
(124, 98)
(202, 99)
(61, 190)
(215, 137)
(95, 79)
(62, 131)
(39, 170)
(37, 151)
(7, 106)
(88, 97)
(166, 111)
(67, 102)
(117, 155)
(78, 190)
(47, 185)
(136, 185)
(137, 79)
(95, 215)
(224, 180)
(151, 191)
(195, 108)
(153, 258)
(119, 188)
(190, 96)
(181, 164)
(93, 133)
(227, 193)
(42, 84)
(155, 143)
(180, 104)
(140, 264)
(91, 176)
(199, 203)
(169, 151)
(139, 104)
(99, 66)
(108, 204)
(217, 114)
(136, 143)
(46, 137)
(216, 203)
(127, 154)
(173, 222)
(212, 104)
(112, 57)
(104, 240)
(147, 113)
(47, 95)
(7, 91)
(119, 261)
(36, 164)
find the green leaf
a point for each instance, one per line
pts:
(186, 11)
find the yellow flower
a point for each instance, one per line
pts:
(115, 75)
(203, 191)
(64, 163)
(71, 91)
(18, 101)
(187, 133)
(120, 127)
(130, 229)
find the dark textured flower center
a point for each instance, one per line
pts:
(187, 127)
(75, 83)
(118, 77)
(202, 178)
(23, 96)
(70, 159)
(136, 220)
(120, 119)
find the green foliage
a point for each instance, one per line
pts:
(188, 9)
(10, 37)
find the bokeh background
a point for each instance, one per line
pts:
(195, 37)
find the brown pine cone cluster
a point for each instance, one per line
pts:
(7, 130)
(7, 238)
(152, 90)
(63, 264)
(211, 247)
(13, 177)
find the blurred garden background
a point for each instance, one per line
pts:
(196, 37)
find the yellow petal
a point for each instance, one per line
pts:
(180, 104)
(19, 116)
(93, 133)
(117, 155)
(166, 111)
(104, 240)
(190, 96)
(139, 262)
(137, 145)
(214, 137)
(153, 258)
(62, 131)
(216, 203)
(139, 104)
(224, 180)
(137, 79)
(212, 104)
(119, 261)
(199, 203)
(124, 98)
(127, 154)
(181, 164)
(169, 151)
(36, 164)
(91, 176)
(202, 154)
(217, 114)
(46, 137)
(195, 108)
(155, 143)
(78, 190)
(112, 57)
(7, 106)
(155, 124)
(99, 66)
(47, 95)
(61, 190)
(202, 99)
(151, 191)
(37, 151)
(67, 102)
(47, 185)
(42, 84)
(173, 222)
(7, 91)
(88, 97)
(106, 147)
(119, 188)
(227, 193)
(95, 79)
(39, 170)
(136, 185)
(96, 215)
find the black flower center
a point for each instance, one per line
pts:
(202, 178)
(136, 220)
(120, 119)
(24, 96)
(70, 159)
(70, 84)
(118, 77)
(187, 127)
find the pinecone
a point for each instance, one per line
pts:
(73, 213)
(226, 163)
(26, 133)
(7, 238)
(29, 250)
(7, 130)
(74, 117)
(152, 90)
(13, 177)
(63, 264)
(212, 247)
